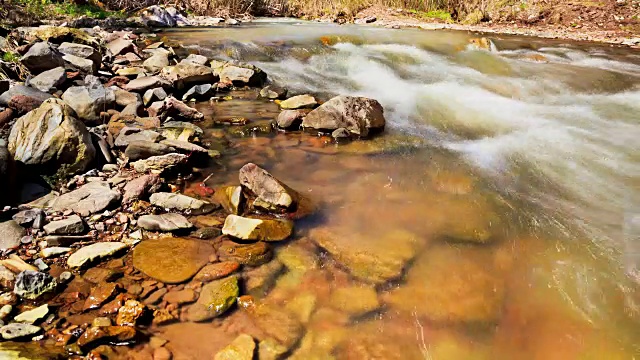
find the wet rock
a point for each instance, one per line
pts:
(145, 83)
(172, 107)
(101, 321)
(156, 62)
(152, 95)
(182, 203)
(49, 80)
(260, 280)
(33, 284)
(50, 252)
(10, 235)
(184, 296)
(130, 313)
(17, 330)
(230, 198)
(115, 335)
(450, 285)
(199, 92)
(207, 233)
(299, 102)
(240, 76)
(266, 187)
(89, 199)
(140, 150)
(162, 353)
(290, 119)
(99, 295)
(376, 259)
(30, 217)
(273, 321)
(171, 260)
(184, 75)
(355, 301)
(242, 348)
(164, 222)
(257, 229)
(84, 52)
(51, 137)
(298, 258)
(246, 254)
(359, 115)
(90, 100)
(215, 299)
(216, 271)
(94, 252)
(269, 349)
(41, 57)
(70, 225)
(32, 316)
(141, 186)
(120, 46)
(130, 134)
(159, 163)
(273, 92)
(35, 96)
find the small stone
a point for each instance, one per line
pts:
(257, 229)
(290, 119)
(299, 102)
(54, 251)
(17, 330)
(89, 199)
(93, 252)
(99, 295)
(152, 95)
(164, 222)
(65, 277)
(215, 299)
(68, 226)
(267, 187)
(129, 313)
(181, 297)
(32, 316)
(216, 271)
(182, 203)
(101, 321)
(155, 296)
(242, 348)
(273, 92)
(33, 284)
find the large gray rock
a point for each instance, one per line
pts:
(164, 222)
(89, 100)
(89, 199)
(120, 46)
(182, 203)
(35, 95)
(266, 187)
(160, 163)
(10, 235)
(138, 150)
(51, 138)
(130, 134)
(71, 225)
(359, 115)
(156, 62)
(184, 75)
(32, 284)
(49, 80)
(41, 57)
(82, 51)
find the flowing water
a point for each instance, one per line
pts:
(506, 184)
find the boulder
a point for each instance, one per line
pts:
(41, 57)
(290, 119)
(242, 348)
(299, 102)
(90, 100)
(83, 52)
(160, 163)
(240, 76)
(215, 299)
(94, 252)
(184, 75)
(359, 115)
(36, 96)
(182, 203)
(137, 150)
(89, 199)
(153, 95)
(10, 235)
(141, 186)
(257, 229)
(50, 80)
(171, 260)
(164, 222)
(266, 187)
(71, 225)
(144, 83)
(273, 92)
(120, 46)
(17, 330)
(156, 62)
(51, 138)
(131, 134)
(33, 284)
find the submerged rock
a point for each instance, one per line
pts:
(33, 284)
(116, 335)
(242, 348)
(275, 322)
(182, 202)
(129, 313)
(355, 301)
(52, 138)
(257, 229)
(89, 199)
(171, 260)
(215, 299)
(94, 252)
(164, 222)
(246, 254)
(216, 271)
(358, 115)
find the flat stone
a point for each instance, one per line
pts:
(141, 186)
(29, 217)
(33, 315)
(216, 271)
(184, 146)
(195, 59)
(81, 64)
(215, 299)
(71, 225)
(140, 150)
(242, 348)
(41, 57)
(109, 334)
(257, 229)
(182, 202)
(94, 252)
(299, 102)
(33, 284)
(184, 296)
(99, 295)
(207, 233)
(49, 80)
(120, 46)
(89, 199)
(10, 235)
(17, 330)
(83, 51)
(164, 222)
(159, 163)
(253, 254)
(50, 252)
(130, 134)
(266, 187)
(171, 260)
(131, 71)
(144, 83)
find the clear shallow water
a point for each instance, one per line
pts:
(532, 144)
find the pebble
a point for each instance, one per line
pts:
(33, 315)
(155, 296)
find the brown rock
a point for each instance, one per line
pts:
(113, 306)
(99, 295)
(129, 313)
(216, 271)
(98, 275)
(23, 104)
(266, 187)
(155, 296)
(118, 122)
(274, 321)
(6, 116)
(106, 334)
(162, 354)
(246, 254)
(181, 296)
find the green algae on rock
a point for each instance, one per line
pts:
(215, 298)
(171, 260)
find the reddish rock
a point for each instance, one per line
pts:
(144, 185)
(106, 334)
(162, 354)
(129, 313)
(23, 104)
(99, 295)
(114, 305)
(155, 296)
(181, 296)
(6, 116)
(118, 122)
(119, 81)
(216, 271)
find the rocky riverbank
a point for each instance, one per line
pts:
(110, 245)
